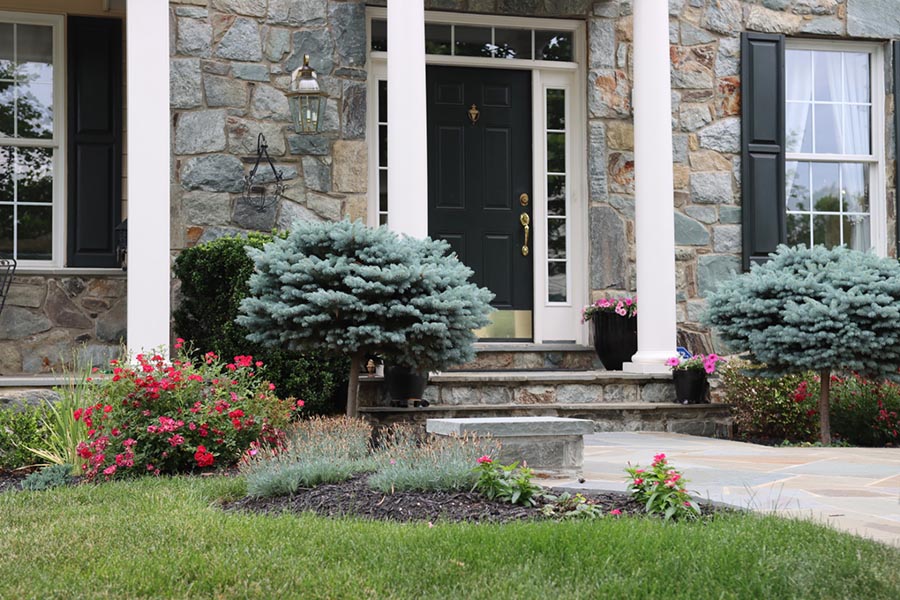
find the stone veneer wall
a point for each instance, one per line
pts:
(48, 320)
(230, 69)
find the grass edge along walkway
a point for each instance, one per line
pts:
(166, 538)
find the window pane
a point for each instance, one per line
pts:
(828, 129)
(382, 101)
(512, 43)
(826, 184)
(856, 130)
(857, 231)
(35, 229)
(556, 195)
(34, 175)
(798, 75)
(6, 231)
(798, 127)
(437, 39)
(797, 177)
(798, 229)
(827, 76)
(553, 45)
(556, 109)
(856, 77)
(7, 108)
(6, 50)
(34, 110)
(827, 230)
(7, 168)
(556, 238)
(382, 146)
(34, 52)
(556, 282)
(382, 219)
(382, 190)
(556, 152)
(855, 179)
(473, 41)
(379, 35)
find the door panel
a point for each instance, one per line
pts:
(477, 171)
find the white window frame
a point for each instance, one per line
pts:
(552, 321)
(876, 159)
(58, 142)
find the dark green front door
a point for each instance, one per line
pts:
(479, 184)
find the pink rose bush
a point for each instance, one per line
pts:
(159, 417)
(662, 490)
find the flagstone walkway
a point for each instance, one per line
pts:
(852, 489)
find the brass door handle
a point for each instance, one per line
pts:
(525, 220)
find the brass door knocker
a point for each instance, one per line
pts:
(474, 114)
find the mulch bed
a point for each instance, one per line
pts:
(355, 498)
(11, 480)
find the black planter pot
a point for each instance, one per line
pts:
(403, 384)
(615, 339)
(691, 386)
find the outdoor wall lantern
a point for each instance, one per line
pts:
(256, 190)
(307, 98)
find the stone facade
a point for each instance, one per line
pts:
(230, 69)
(51, 321)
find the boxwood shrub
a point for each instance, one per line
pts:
(213, 282)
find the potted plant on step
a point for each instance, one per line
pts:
(690, 377)
(615, 330)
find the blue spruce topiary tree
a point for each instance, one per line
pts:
(814, 309)
(350, 290)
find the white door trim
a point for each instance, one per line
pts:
(553, 322)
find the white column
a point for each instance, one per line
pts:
(147, 70)
(654, 188)
(407, 136)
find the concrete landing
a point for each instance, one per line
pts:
(851, 489)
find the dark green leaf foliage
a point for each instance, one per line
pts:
(343, 288)
(18, 429)
(213, 283)
(49, 477)
(813, 309)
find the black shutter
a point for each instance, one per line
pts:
(94, 140)
(897, 142)
(762, 146)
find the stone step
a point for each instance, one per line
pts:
(532, 387)
(709, 420)
(518, 357)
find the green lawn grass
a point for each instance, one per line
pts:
(165, 538)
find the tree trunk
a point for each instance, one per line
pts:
(824, 400)
(353, 386)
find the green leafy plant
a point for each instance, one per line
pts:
(63, 433)
(213, 279)
(347, 290)
(662, 490)
(814, 309)
(866, 412)
(49, 477)
(506, 483)
(19, 430)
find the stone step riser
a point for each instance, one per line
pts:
(525, 393)
(708, 420)
(569, 360)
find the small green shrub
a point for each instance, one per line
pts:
(315, 451)
(214, 279)
(49, 477)
(770, 409)
(20, 430)
(506, 483)
(442, 463)
(568, 506)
